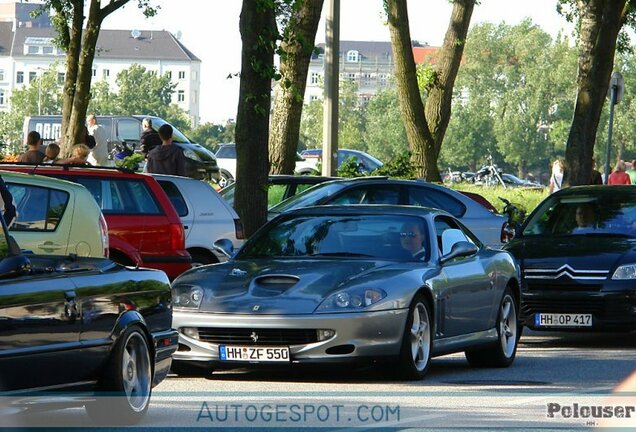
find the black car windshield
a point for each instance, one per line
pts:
(610, 213)
(312, 196)
(177, 136)
(394, 237)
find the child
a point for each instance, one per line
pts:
(52, 151)
(80, 154)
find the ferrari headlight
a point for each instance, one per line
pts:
(625, 272)
(190, 154)
(350, 300)
(187, 296)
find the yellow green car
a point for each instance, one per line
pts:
(56, 217)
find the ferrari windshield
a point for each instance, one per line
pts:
(609, 213)
(366, 236)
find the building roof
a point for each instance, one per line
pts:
(368, 50)
(6, 37)
(114, 44)
(427, 54)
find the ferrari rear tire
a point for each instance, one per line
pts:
(417, 341)
(502, 353)
(127, 384)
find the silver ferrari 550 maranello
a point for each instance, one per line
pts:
(351, 283)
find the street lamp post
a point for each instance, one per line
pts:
(615, 95)
(39, 90)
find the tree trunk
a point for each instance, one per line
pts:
(258, 34)
(425, 131)
(79, 66)
(600, 23)
(72, 42)
(288, 105)
(411, 106)
(75, 130)
(438, 102)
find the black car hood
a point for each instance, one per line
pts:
(285, 286)
(579, 252)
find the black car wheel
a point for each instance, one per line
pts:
(417, 341)
(200, 258)
(501, 354)
(128, 381)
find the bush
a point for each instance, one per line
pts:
(525, 199)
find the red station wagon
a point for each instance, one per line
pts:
(143, 226)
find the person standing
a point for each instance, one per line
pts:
(619, 176)
(596, 177)
(149, 138)
(99, 153)
(33, 154)
(166, 158)
(632, 172)
(556, 179)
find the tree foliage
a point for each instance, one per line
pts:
(140, 91)
(79, 42)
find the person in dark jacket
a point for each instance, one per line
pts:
(6, 203)
(149, 138)
(33, 154)
(166, 158)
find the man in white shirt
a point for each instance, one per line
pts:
(99, 154)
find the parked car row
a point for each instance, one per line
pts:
(392, 272)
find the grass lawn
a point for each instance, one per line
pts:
(526, 199)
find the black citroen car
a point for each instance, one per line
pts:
(577, 253)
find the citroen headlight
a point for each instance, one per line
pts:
(187, 296)
(351, 300)
(625, 272)
(190, 154)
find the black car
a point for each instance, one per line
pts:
(84, 326)
(577, 253)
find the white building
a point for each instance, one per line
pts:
(26, 51)
(368, 64)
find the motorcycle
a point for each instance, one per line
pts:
(516, 215)
(489, 174)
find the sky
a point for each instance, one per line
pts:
(210, 29)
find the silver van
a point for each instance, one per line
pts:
(200, 162)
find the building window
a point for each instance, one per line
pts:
(169, 73)
(19, 77)
(106, 73)
(353, 56)
(382, 78)
(1, 75)
(47, 50)
(366, 79)
(180, 96)
(181, 75)
(32, 76)
(1, 98)
(60, 77)
(94, 72)
(351, 77)
(315, 78)
(33, 50)
(313, 98)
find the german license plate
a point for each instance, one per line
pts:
(562, 320)
(253, 354)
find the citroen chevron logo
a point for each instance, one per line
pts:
(566, 270)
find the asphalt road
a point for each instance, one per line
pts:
(558, 380)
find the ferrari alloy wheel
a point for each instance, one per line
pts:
(415, 355)
(503, 353)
